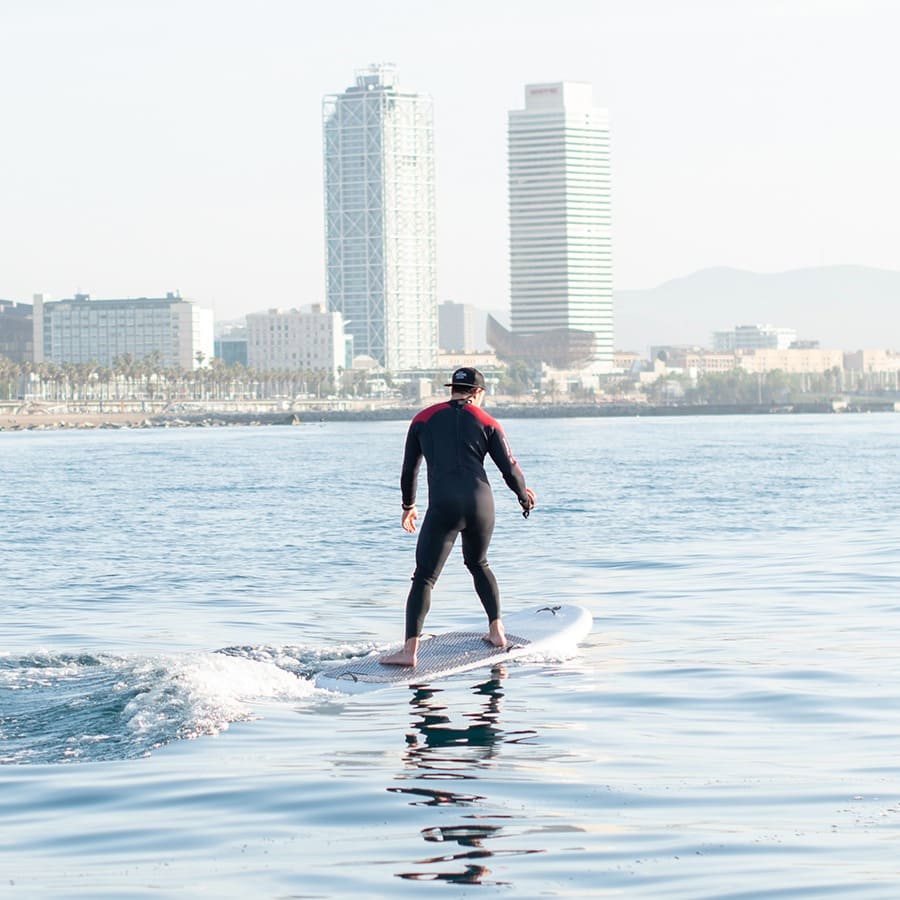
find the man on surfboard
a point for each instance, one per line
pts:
(454, 437)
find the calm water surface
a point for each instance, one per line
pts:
(730, 728)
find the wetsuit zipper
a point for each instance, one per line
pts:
(458, 409)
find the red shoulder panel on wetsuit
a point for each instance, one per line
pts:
(429, 411)
(484, 417)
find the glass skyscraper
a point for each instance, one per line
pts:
(560, 220)
(380, 219)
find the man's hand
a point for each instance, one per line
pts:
(529, 506)
(409, 519)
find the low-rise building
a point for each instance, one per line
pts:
(627, 361)
(451, 361)
(796, 361)
(695, 360)
(706, 362)
(872, 361)
(568, 382)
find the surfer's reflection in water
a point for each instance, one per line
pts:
(439, 751)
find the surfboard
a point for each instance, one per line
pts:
(541, 629)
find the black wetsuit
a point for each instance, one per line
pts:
(454, 437)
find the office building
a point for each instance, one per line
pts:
(295, 341)
(560, 221)
(457, 323)
(231, 347)
(380, 219)
(176, 332)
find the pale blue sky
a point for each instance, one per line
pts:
(160, 145)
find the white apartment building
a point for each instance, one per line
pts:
(296, 340)
(754, 337)
(560, 215)
(380, 219)
(82, 330)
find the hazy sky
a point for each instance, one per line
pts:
(177, 144)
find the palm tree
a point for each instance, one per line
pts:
(124, 367)
(8, 370)
(219, 375)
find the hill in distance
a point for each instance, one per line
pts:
(842, 307)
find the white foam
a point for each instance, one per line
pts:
(203, 694)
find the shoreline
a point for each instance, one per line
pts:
(36, 419)
(43, 421)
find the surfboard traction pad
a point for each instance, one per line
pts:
(437, 654)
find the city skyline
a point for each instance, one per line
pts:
(143, 157)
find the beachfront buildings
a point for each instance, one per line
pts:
(295, 340)
(176, 332)
(560, 222)
(380, 218)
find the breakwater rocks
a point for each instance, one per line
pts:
(67, 423)
(96, 423)
(79, 422)
(82, 421)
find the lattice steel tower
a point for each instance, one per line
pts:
(380, 219)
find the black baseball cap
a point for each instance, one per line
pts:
(466, 378)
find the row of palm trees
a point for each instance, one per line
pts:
(129, 378)
(773, 387)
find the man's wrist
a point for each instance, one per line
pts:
(408, 506)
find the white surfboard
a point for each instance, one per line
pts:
(542, 629)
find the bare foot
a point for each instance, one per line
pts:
(496, 634)
(408, 656)
(401, 658)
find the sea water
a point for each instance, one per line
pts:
(729, 729)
